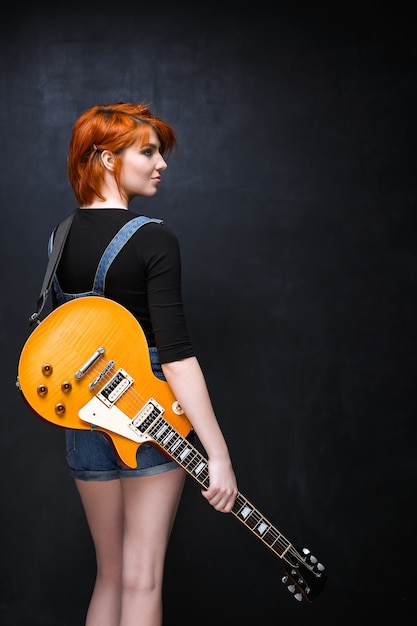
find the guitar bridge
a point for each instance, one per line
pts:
(146, 416)
(102, 374)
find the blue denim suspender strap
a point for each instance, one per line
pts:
(114, 248)
(108, 256)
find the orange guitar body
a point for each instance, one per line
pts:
(75, 351)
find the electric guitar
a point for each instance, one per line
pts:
(88, 363)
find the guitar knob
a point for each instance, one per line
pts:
(177, 408)
(42, 390)
(59, 408)
(66, 387)
(47, 369)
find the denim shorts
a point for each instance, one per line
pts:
(90, 455)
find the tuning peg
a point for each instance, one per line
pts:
(292, 588)
(312, 559)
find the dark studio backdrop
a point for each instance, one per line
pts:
(293, 195)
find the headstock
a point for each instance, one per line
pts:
(303, 574)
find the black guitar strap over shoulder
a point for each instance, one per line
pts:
(60, 236)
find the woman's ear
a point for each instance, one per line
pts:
(108, 159)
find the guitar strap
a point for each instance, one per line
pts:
(60, 236)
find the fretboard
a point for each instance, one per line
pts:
(186, 455)
(304, 577)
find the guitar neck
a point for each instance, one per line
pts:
(196, 465)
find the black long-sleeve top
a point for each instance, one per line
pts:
(145, 277)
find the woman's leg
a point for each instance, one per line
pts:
(150, 506)
(103, 506)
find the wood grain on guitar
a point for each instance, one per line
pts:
(88, 363)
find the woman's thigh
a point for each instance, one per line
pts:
(103, 506)
(150, 505)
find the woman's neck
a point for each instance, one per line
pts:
(104, 205)
(109, 203)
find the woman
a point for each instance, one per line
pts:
(116, 154)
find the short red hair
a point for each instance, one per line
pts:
(113, 127)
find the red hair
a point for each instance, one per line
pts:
(113, 127)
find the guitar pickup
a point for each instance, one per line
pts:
(146, 416)
(115, 388)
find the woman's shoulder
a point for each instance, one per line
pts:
(156, 239)
(157, 228)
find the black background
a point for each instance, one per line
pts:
(293, 195)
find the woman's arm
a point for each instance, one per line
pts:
(188, 385)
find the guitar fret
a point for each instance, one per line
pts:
(249, 518)
(199, 467)
(272, 536)
(245, 512)
(161, 431)
(262, 528)
(190, 457)
(168, 438)
(184, 454)
(174, 447)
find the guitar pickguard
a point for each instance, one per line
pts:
(112, 419)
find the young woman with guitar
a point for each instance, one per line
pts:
(119, 373)
(117, 153)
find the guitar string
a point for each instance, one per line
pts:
(136, 403)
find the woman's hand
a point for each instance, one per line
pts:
(222, 490)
